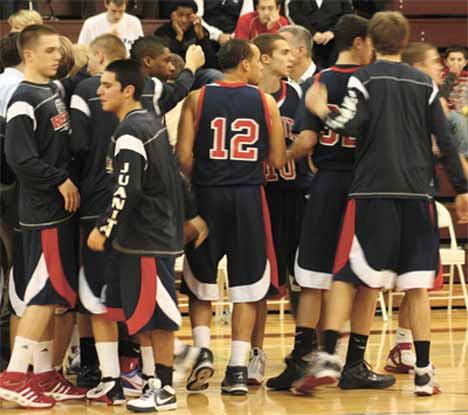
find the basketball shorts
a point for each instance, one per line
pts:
(145, 288)
(51, 265)
(321, 229)
(388, 243)
(16, 277)
(240, 228)
(286, 212)
(92, 276)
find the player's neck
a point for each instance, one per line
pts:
(235, 77)
(269, 83)
(299, 69)
(31, 75)
(347, 57)
(19, 67)
(127, 108)
(391, 58)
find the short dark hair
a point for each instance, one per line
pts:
(266, 42)
(31, 34)
(278, 3)
(348, 28)
(175, 4)
(9, 54)
(147, 46)
(233, 52)
(389, 32)
(416, 52)
(456, 49)
(128, 72)
(118, 3)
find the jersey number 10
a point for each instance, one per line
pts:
(246, 135)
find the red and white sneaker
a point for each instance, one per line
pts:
(53, 384)
(22, 389)
(424, 383)
(401, 359)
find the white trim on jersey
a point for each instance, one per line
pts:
(78, 103)
(16, 302)
(92, 303)
(306, 278)
(415, 279)
(252, 292)
(166, 303)
(202, 290)
(356, 83)
(129, 142)
(435, 91)
(38, 280)
(21, 108)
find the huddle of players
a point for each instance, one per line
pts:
(228, 131)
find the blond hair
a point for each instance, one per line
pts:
(24, 18)
(111, 45)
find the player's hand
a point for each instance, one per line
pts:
(71, 195)
(318, 38)
(194, 58)
(177, 28)
(224, 38)
(202, 230)
(197, 27)
(96, 240)
(461, 207)
(274, 18)
(327, 36)
(316, 100)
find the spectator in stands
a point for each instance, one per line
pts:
(185, 29)
(265, 19)
(220, 17)
(300, 40)
(115, 21)
(456, 78)
(320, 17)
(23, 18)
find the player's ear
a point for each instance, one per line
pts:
(264, 59)
(245, 65)
(147, 61)
(129, 91)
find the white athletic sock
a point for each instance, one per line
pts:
(179, 347)
(147, 359)
(42, 357)
(201, 336)
(22, 355)
(239, 352)
(404, 336)
(108, 355)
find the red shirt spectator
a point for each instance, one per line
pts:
(265, 19)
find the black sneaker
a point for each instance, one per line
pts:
(88, 377)
(235, 381)
(295, 369)
(361, 376)
(155, 398)
(109, 391)
(202, 371)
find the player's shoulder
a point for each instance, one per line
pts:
(31, 93)
(88, 87)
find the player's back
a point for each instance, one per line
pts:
(232, 135)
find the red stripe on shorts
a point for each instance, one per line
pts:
(346, 237)
(270, 247)
(147, 299)
(51, 250)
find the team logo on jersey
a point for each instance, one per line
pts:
(60, 122)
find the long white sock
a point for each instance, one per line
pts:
(147, 358)
(239, 352)
(108, 355)
(201, 336)
(403, 336)
(42, 357)
(22, 355)
(179, 347)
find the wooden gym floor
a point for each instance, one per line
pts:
(449, 354)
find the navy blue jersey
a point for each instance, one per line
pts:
(295, 175)
(232, 135)
(333, 151)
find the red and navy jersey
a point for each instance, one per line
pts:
(232, 135)
(295, 175)
(333, 151)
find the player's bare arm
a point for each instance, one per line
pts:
(303, 145)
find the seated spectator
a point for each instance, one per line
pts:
(185, 29)
(220, 17)
(265, 19)
(300, 40)
(23, 18)
(320, 17)
(115, 21)
(456, 78)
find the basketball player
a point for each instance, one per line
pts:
(389, 234)
(37, 150)
(227, 130)
(144, 224)
(286, 188)
(334, 157)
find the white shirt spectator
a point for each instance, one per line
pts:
(128, 28)
(9, 81)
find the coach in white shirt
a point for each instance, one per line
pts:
(114, 21)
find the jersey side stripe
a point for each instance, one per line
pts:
(78, 103)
